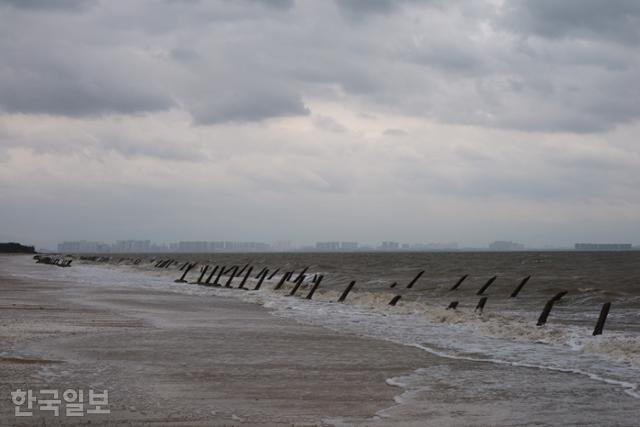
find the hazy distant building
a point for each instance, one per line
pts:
(222, 246)
(603, 246)
(435, 246)
(137, 246)
(328, 246)
(504, 245)
(282, 246)
(348, 246)
(390, 246)
(193, 247)
(83, 246)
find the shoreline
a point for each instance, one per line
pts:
(242, 363)
(204, 359)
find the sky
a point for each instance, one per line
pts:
(363, 120)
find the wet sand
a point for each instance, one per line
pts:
(171, 359)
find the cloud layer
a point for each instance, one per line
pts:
(473, 106)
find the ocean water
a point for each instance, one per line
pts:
(504, 335)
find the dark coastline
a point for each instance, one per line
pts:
(16, 248)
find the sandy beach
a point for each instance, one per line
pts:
(169, 358)
(185, 360)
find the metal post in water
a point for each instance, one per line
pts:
(283, 279)
(229, 269)
(395, 300)
(517, 290)
(346, 291)
(242, 269)
(202, 273)
(213, 271)
(184, 265)
(459, 282)
(604, 312)
(302, 273)
(231, 277)
(415, 279)
(481, 304)
(452, 305)
(260, 273)
(184, 274)
(244, 279)
(298, 283)
(215, 282)
(394, 284)
(486, 285)
(545, 312)
(273, 274)
(263, 275)
(558, 296)
(315, 286)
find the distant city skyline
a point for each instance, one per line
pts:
(147, 246)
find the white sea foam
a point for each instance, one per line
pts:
(506, 338)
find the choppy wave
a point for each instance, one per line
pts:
(503, 334)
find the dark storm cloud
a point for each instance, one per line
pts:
(543, 66)
(242, 104)
(48, 4)
(616, 20)
(362, 8)
(75, 82)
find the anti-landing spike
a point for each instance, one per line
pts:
(283, 279)
(244, 279)
(216, 282)
(486, 285)
(315, 286)
(517, 290)
(459, 282)
(231, 277)
(545, 312)
(415, 279)
(602, 318)
(298, 283)
(184, 274)
(203, 271)
(346, 291)
(262, 277)
(213, 271)
(481, 303)
(273, 274)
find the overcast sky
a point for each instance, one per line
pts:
(301, 120)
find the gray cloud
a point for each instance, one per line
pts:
(502, 107)
(395, 132)
(238, 104)
(254, 60)
(616, 20)
(72, 5)
(329, 124)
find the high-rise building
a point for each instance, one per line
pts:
(603, 246)
(328, 246)
(390, 246)
(503, 245)
(348, 246)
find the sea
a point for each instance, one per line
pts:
(505, 333)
